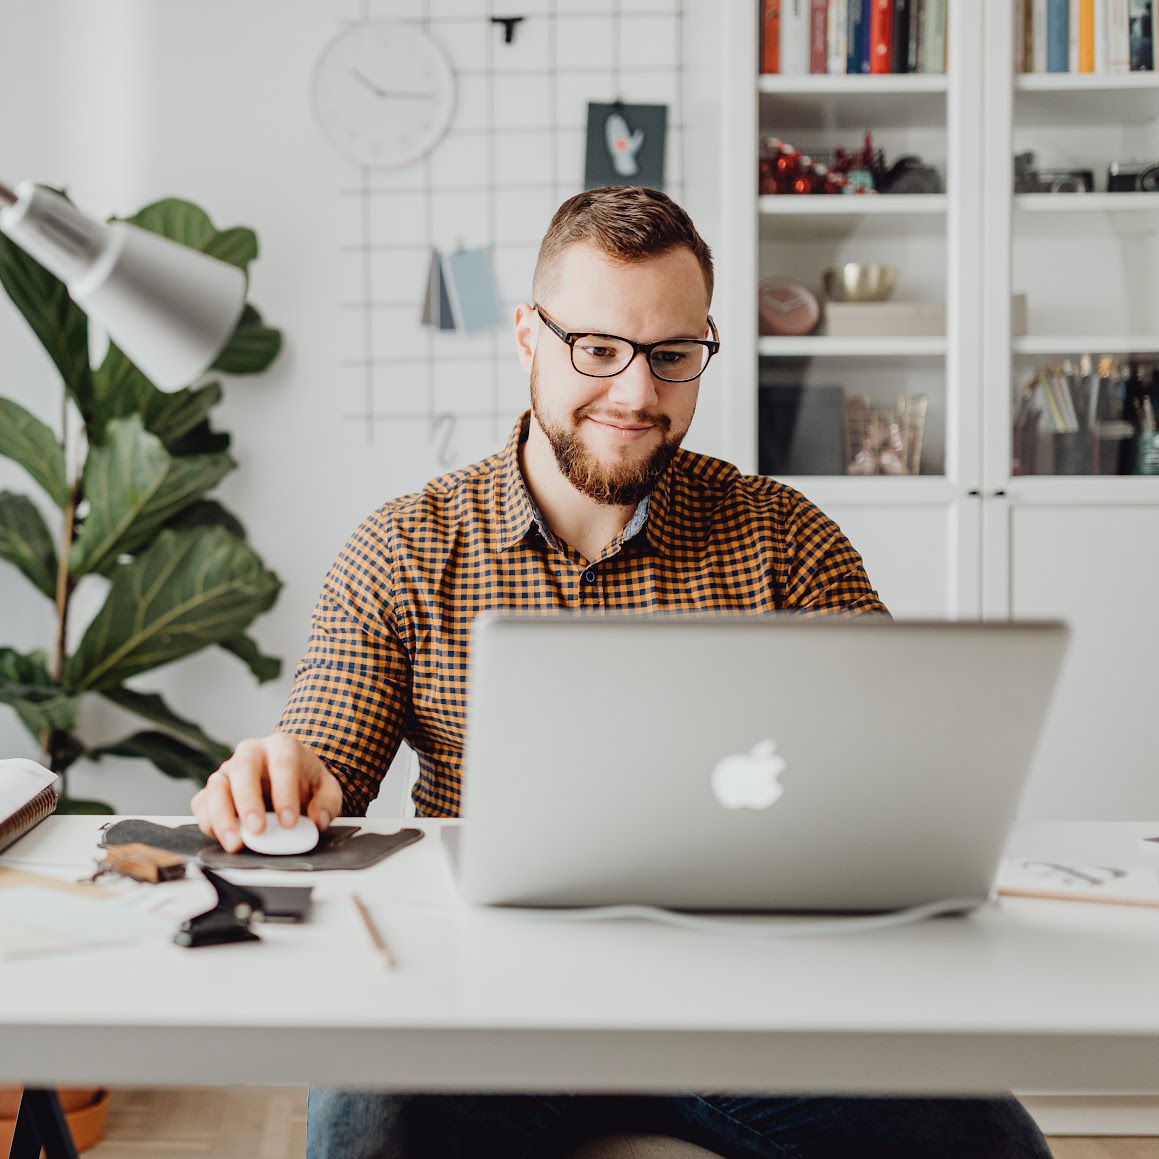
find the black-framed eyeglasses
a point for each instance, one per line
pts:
(606, 355)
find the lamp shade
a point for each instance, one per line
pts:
(170, 308)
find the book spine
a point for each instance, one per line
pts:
(1102, 57)
(1140, 17)
(794, 37)
(1038, 45)
(14, 826)
(1086, 38)
(917, 35)
(838, 24)
(935, 37)
(770, 35)
(880, 36)
(819, 36)
(1118, 37)
(1019, 17)
(853, 38)
(1057, 35)
(1072, 44)
(899, 38)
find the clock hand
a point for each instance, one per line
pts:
(381, 92)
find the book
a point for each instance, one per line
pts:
(1086, 36)
(838, 29)
(896, 319)
(1038, 28)
(899, 40)
(855, 35)
(794, 37)
(1118, 37)
(880, 36)
(917, 23)
(819, 36)
(28, 794)
(770, 36)
(1072, 44)
(1057, 35)
(1023, 36)
(1141, 28)
(1108, 884)
(1102, 58)
(934, 34)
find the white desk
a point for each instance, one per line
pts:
(1030, 995)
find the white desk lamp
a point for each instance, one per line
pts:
(170, 308)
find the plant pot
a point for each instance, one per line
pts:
(86, 1110)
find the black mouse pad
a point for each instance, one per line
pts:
(337, 848)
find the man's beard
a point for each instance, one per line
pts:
(621, 484)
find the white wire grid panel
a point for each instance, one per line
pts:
(514, 151)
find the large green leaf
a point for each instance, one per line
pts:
(264, 667)
(252, 348)
(121, 390)
(209, 513)
(202, 440)
(151, 707)
(189, 224)
(134, 486)
(27, 542)
(187, 590)
(27, 687)
(29, 442)
(172, 756)
(55, 318)
(67, 805)
(237, 246)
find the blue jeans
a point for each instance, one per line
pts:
(369, 1125)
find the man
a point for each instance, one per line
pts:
(592, 505)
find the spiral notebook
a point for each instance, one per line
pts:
(28, 793)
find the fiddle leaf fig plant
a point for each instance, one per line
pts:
(177, 570)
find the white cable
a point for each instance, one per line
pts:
(757, 926)
(761, 927)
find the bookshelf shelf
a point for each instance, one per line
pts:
(826, 346)
(788, 103)
(837, 216)
(1093, 203)
(1032, 344)
(1047, 99)
(837, 205)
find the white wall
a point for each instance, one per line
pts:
(127, 101)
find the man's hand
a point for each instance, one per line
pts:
(276, 769)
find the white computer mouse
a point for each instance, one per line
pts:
(279, 841)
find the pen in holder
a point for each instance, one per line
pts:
(228, 921)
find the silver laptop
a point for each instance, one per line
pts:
(746, 762)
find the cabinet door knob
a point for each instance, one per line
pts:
(974, 491)
(999, 494)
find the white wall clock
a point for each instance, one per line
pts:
(383, 93)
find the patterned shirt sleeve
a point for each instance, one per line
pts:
(827, 576)
(352, 689)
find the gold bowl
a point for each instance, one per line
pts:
(857, 282)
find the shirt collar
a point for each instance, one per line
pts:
(518, 512)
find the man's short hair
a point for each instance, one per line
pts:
(628, 223)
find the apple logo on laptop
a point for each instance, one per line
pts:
(749, 780)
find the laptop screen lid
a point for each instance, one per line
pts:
(771, 762)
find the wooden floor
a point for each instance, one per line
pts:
(270, 1123)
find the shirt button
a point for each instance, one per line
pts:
(589, 576)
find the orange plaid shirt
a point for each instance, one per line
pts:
(387, 658)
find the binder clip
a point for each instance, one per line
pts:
(228, 921)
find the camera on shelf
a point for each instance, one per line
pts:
(1133, 177)
(1030, 179)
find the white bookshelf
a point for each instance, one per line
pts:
(825, 346)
